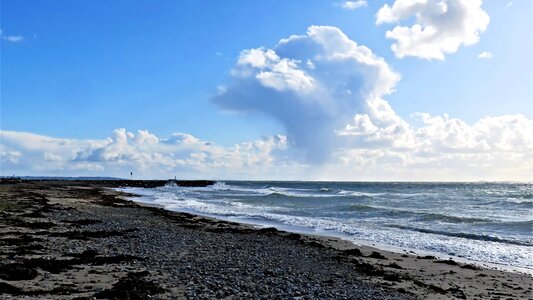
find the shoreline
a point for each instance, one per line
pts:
(343, 243)
(375, 246)
(58, 232)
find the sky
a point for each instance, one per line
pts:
(279, 90)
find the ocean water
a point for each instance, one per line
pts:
(479, 222)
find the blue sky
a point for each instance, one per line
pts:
(86, 68)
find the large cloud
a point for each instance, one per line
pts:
(313, 84)
(328, 93)
(441, 26)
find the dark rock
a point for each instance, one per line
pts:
(82, 222)
(437, 289)
(293, 236)
(426, 257)
(85, 255)
(353, 252)
(13, 272)
(6, 288)
(131, 287)
(315, 244)
(389, 276)
(457, 293)
(376, 255)
(29, 249)
(55, 266)
(470, 267)
(447, 262)
(85, 235)
(31, 225)
(269, 230)
(20, 241)
(111, 259)
(369, 269)
(394, 266)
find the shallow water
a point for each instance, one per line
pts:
(484, 222)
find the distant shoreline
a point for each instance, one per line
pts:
(117, 182)
(97, 178)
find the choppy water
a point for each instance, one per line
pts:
(484, 222)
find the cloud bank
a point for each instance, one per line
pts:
(441, 26)
(442, 148)
(144, 153)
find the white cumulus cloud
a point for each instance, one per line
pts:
(353, 5)
(485, 55)
(440, 26)
(492, 148)
(142, 152)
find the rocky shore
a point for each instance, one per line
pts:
(82, 240)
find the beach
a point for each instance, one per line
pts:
(84, 240)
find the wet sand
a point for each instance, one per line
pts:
(82, 240)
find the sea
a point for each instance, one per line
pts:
(486, 223)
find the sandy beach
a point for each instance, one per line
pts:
(83, 240)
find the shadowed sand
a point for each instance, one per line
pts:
(75, 239)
